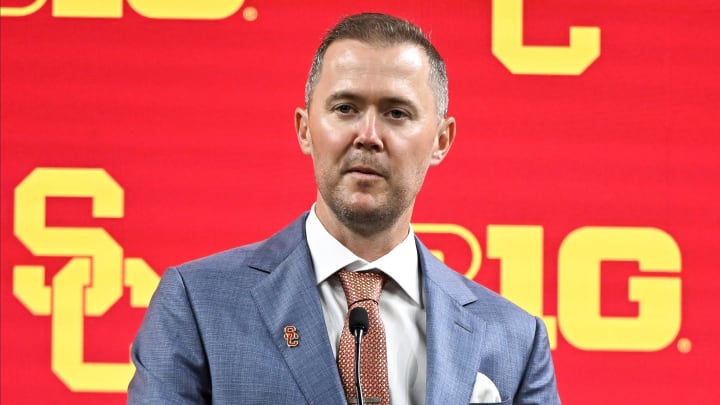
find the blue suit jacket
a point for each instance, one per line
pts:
(214, 333)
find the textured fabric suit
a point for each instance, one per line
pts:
(214, 333)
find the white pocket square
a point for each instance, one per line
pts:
(484, 390)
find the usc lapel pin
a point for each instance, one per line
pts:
(292, 338)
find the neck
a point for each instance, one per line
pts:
(369, 246)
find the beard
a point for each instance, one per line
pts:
(366, 219)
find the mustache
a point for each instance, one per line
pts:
(365, 161)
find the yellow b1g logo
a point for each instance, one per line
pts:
(520, 250)
(166, 9)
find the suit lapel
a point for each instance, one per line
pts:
(454, 334)
(288, 297)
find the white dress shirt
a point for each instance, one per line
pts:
(401, 306)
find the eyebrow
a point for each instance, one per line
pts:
(354, 97)
(341, 95)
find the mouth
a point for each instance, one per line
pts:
(362, 169)
(364, 173)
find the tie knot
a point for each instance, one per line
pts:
(361, 286)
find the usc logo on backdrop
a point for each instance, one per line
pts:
(93, 280)
(507, 29)
(89, 284)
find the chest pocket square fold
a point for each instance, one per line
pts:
(484, 391)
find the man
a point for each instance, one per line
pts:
(262, 324)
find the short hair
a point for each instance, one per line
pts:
(385, 30)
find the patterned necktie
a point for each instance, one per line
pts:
(363, 289)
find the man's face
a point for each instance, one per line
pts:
(372, 130)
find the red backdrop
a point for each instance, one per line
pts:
(583, 182)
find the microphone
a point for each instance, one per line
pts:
(358, 324)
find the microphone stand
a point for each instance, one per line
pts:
(358, 324)
(358, 387)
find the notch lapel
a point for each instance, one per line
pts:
(289, 297)
(454, 334)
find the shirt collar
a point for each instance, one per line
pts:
(329, 256)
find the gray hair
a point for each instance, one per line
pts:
(385, 30)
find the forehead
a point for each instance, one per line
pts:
(403, 56)
(374, 67)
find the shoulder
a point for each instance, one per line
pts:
(474, 297)
(246, 261)
(493, 307)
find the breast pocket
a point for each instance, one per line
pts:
(505, 402)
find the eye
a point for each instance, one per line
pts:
(344, 109)
(398, 114)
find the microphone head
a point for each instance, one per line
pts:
(358, 319)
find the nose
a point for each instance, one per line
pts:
(369, 132)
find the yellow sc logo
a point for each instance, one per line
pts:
(89, 284)
(507, 45)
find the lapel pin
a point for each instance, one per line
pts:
(292, 338)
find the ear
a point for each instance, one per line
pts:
(302, 130)
(443, 141)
